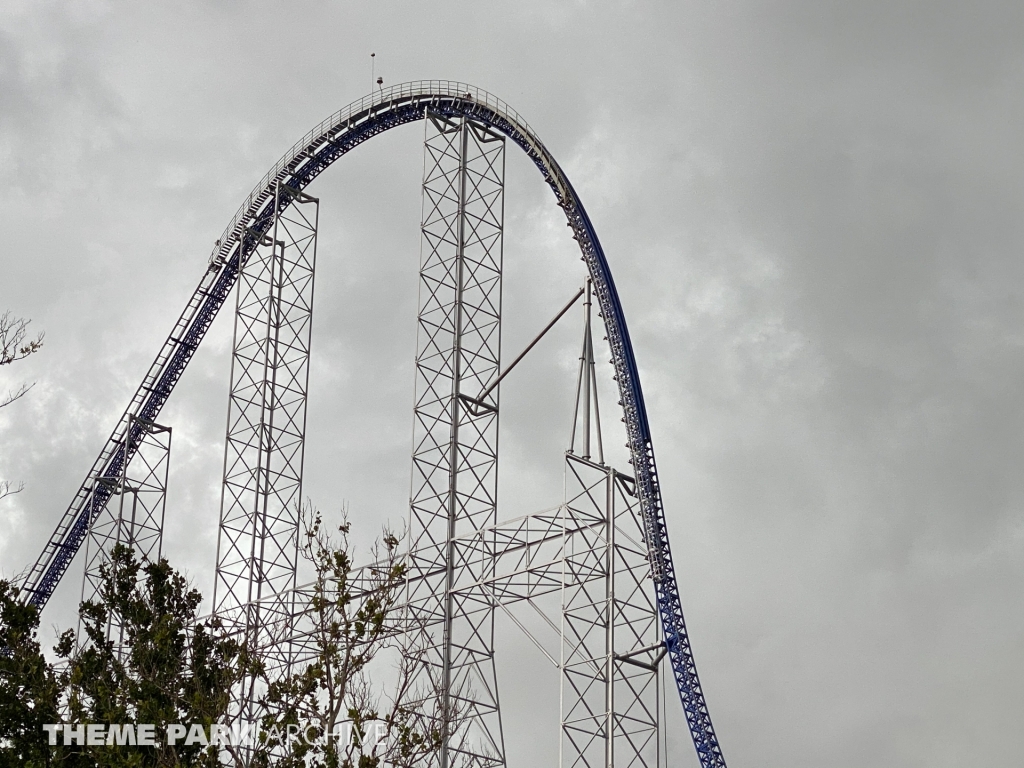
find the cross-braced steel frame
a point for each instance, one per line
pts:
(516, 561)
(611, 649)
(257, 547)
(455, 443)
(129, 510)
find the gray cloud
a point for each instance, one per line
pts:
(811, 210)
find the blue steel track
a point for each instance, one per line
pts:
(316, 152)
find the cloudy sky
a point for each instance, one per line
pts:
(812, 210)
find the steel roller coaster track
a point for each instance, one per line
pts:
(307, 159)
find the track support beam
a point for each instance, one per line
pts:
(129, 509)
(455, 451)
(611, 641)
(257, 546)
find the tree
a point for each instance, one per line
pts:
(351, 615)
(164, 667)
(30, 689)
(145, 657)
(14, 347)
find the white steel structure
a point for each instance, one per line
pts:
(601, 555)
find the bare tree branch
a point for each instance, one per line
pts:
(13, 346)
(353, 619)
(15, 394)
(7, 488)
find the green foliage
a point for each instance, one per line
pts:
(30, 689)
(145, 658)
(349, 610)
(168, 669)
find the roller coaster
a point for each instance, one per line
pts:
(604, 551)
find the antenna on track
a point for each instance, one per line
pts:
(378, 81)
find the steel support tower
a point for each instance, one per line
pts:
(600, 557)
(129, 509)
(611, 650)
(257, 546)
(455, 443)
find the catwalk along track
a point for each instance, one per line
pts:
(448, 103)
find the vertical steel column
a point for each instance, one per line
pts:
(136, 518)
(586, 387)
(455, 443)
(257, 546)
(611, 642)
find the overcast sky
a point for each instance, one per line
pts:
(812, 211)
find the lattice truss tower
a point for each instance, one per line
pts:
(463, 564)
